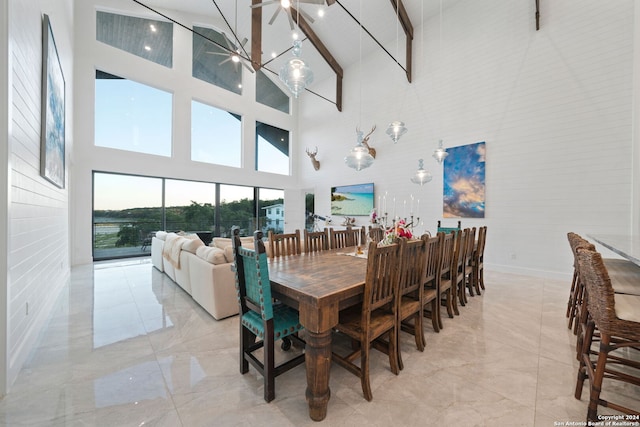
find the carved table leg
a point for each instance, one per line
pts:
(318, 365)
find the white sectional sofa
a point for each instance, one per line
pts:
(204, 272)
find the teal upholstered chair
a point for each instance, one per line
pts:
(448, 230)
(260, 317)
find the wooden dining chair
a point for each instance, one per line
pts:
(458, 270)
(339, 239)
(431, 293)
(441, 228)
(376, 234)
(375, 318)
(616, 318)
(445, 287)
(259, 317)
(315, 241)
(478, 260)
(468, 264)
(410, 292)
(283, 244)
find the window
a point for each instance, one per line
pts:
(268, 93)
(189, 205)
(272, 149)
(270, 201)
(132, 116)
(146, 38)
(216, 135)
(237, 208)
(211, 60)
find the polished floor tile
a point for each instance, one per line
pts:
(125, 346)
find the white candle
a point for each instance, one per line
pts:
(404, 209)
(394, 208)
(418, 208)
(379, 205)
(411, 213)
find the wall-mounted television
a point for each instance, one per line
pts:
(352, 200)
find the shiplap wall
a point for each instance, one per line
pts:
(38, 213)
(554, 107)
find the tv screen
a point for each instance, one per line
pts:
(352, 200)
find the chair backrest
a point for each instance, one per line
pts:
(461, 250)
(347, 237)
(447, 254)
(284, 244)
(253, 288)
(433, 262)
(315, 241)
(376, 234)
(471, 247)
(381, 282)
(601, 301)
(449, 229)
(482, 240)
(412, 264)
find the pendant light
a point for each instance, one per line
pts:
(295, 73)
(421, 176)
(396, 128)
(359, 157)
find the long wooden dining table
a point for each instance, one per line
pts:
(319, 285)
(626, 246)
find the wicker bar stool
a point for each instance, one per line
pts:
(617, 318)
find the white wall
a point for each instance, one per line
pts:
(92, 55)
(37, 211)
(554, 107)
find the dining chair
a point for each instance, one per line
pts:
(431, 293)
(259, 318)
(617, 320)
(445, 286)
(440, 228)
(468, 265)
(376, 234)
(375, 317)
(315, 241)
(339, 239)
(410, 292)
(478, 260)
(458, 270)
(283, 244)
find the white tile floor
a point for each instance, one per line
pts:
(125, 346)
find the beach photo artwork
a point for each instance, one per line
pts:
(352, 200)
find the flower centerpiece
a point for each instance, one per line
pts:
(399, 229)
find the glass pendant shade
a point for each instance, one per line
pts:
(440, 153)
(421, 176)
(359, 157)
(295, 74)
(395, 130)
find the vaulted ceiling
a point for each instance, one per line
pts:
(331, 43)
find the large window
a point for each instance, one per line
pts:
(268, 93)
(146, 38)
(132, 116)
(216, 135)
(212, 60)
(272, 149)
(128, 210)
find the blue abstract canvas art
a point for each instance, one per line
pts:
(52, 156)
(464, 181)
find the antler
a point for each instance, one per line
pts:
(366, 138)
(365, 141)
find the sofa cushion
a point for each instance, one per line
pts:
(223, 242)
(212, 255)
(162, 235)
(192, 245)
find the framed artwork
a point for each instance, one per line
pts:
(464, 181)
(352, 200)
(52, 145)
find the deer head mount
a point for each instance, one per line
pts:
(365, 141)
(312, 156)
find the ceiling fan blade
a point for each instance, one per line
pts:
(264, 3)
(244, 64)
(244, 41)
(311, 1)
(306, 16)
(275, 15)
(290, 19)
(226, 60)
(218, 53)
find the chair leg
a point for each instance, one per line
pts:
(419, 332)
(572, 295)
(481, 281)
(449, 303)
(454, 298)
(247, 338)
(269, 367)
(596, 381)
(584, 359)
(364, 371)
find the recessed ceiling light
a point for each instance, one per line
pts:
(152, 27)
(320, 13)
(274, 54)
(147, 48)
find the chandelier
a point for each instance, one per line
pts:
(395, 130)
(359, 157)
(296, 74)
(440, 153)
(421, 176)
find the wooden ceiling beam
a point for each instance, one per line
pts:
(403, 17)
(324, 52)
(256, 35)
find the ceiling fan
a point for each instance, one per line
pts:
(233, 54)
(285, 6)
